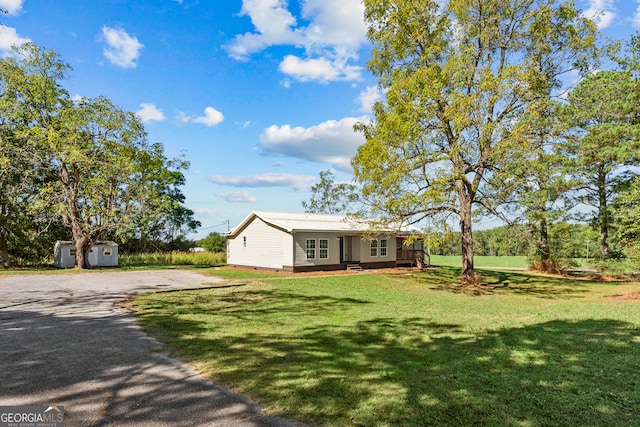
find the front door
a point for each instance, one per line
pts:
(350, 249)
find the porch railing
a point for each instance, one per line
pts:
(415, 257)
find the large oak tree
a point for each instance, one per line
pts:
(459, 76)
(97, 172)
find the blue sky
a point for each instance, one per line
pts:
(259, 95)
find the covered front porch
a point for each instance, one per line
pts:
(411, 255)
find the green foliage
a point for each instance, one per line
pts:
(85, 164)
(331, 198)
(459, 76)
(214, 242)
(567, 241)
(602, 141)
(626, 210)
(22, 167)
(172, 258)
(506, 240)
(414, 350)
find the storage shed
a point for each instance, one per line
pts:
(102, 254)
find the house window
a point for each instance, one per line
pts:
(324, 248)
(106, 252)
(374, 248)
(383, 247)
(244, 241)
(72, 252)
(311, 249)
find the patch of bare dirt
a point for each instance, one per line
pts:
(632, 296)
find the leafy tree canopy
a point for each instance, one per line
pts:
(96, 171)
(330, 197)
(459, 76)
(214, 242)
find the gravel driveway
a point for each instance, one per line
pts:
(65, 341)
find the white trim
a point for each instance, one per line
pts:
(385, 247)
(373, 248)
(320, 249)
(307, 249)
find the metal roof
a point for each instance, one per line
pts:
(291, 222)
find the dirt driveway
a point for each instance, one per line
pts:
(65, 341)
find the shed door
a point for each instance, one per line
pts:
(93, 256)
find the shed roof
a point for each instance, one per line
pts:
(290, 222)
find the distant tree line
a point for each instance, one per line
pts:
(568, 240)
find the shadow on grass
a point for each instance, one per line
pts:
(495, 281)
(105, 372)
(415, 371)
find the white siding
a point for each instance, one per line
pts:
(264, 246)
(287, 250)
(365, 250)
(300, 240)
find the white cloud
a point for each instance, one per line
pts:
(244, 125)
(122, 50)
(335, 32)
(601, 12)
(367, 98)
(13, 7)
(9, 38)
(149, 112)
(336, 23)
(211, 117)
(182, 117)
(273, 24)
(237, 197)
(285, 83)
(635, 19)
(297, 182)
(323, 70)
(333, 142)
(205, 211)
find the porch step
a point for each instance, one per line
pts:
(355, 267)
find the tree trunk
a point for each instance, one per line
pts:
(4, 238)
(84, 245)
(468, 276)
(81, 255)
(80, 237)
(545, 251)
(603, 215)
(87, 262)
(4, 249)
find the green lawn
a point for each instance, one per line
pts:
(414, 349)
(482, 261)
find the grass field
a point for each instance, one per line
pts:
(413, 349)
(173, 258)
(482, 261)
(520, 262)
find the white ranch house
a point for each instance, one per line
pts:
(307, 242)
